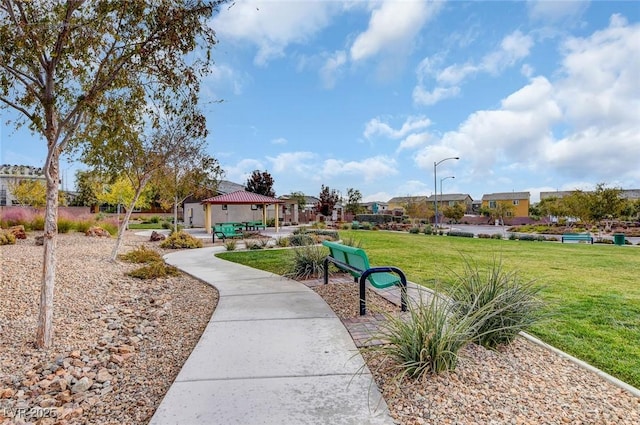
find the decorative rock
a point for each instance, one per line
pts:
(18, 231)
(97, 232)
(40, 240)
(82, 385)
(155, 237)
(104, 375)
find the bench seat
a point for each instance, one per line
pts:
(577, 237)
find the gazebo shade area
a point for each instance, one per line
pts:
(239, 206)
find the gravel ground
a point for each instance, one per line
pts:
(119, 342)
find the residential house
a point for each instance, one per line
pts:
(376, 207)
(519, 200)
(13, 174)
(451, 199)
(398, 204)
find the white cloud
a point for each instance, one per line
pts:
(369, 169)
(554, 10)
(331, 68)
(279, 141)
(222, 75)
(241, 171)
(293, 162)
(273, 25)
(414, 141)
(392, 25)
(513, 48)
(378, 127)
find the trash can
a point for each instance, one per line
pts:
(618, 239)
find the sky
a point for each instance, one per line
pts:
(530, 95)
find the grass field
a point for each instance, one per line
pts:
(592, 291)
(136, 226)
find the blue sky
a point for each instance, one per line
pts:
(531, 95)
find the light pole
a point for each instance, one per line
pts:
(435, 184)
(441, 180)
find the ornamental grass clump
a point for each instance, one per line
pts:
(428, 340)
(141, 255)
(306, 262)
(180, 240)
(7, 238)
(506, 304)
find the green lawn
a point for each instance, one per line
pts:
(592, 291)
(136, 226)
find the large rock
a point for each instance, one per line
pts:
(155, 237)
(18, 231)
(98, 232)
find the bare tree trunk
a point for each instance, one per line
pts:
(175, 214)
(125, 222)
(44, 335)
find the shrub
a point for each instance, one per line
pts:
(603, 241)
(428, 230)
(330, 234)
(484, 236)
(512, 236)
(253, 244)
(531, 237)
(345, 226)
(7, 238)
(230, 245)
(504, 305)
(414, 230)
(110, 226)
(65, 225)
(428, 340)
(141, 255)
(351, 241)
(83, 225)
(154, 270)
(282, 241)
(154, 219)
(318, 225)
(179, 240)
(17, 216)
(166, 225)
(461, 234)
(496, 236)
(300, 240)
(365, 226)
(306, 262)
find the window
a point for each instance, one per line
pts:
(452, 203)
(492, 204)
(516, 202)
(224, 206)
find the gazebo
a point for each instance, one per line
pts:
(240, 197)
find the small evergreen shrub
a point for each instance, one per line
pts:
(461, 234)
(83, 225)
(365, 226)
(180, 240)
(7, 238)
(496, 236)
(306, 262)
(141, 255)
(414, 230)
(512, 236)
(154, 270)
(166, 225)
(345, 226)
(36, 223)
(154, 219)
(428, 230)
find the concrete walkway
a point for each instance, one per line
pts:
(273, 353)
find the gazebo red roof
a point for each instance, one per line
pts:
(242, 197)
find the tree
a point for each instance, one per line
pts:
(577, 205)
(605, 203)
(354, 198)
(261, 182)
(301, 199)
(185, 175)
(30, 192)
(552, 206)
(88, 184)
(419, 210)
(121, 191)
(60, 61)
(328, 199)
(455, 212)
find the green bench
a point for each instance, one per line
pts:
(577, 237)
(225, 231)
(256, 225)
(355, 261)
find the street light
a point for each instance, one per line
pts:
(435, 184)
(441, 180)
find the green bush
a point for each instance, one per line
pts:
(461, 234)
(414, 230)
(166, 225)
(301, 240)
(306, 262)
(428, 340)
(154, 219)
(365, 226)
(7, 238)
(141, 255)
(180, 240)
(512, 236)
(428, 229)
(230, 245)
(36, 224)
(154, 270)
(531, 237)
(282, 241)
(83, 225)
(496, 236)
(503, 304)
(65, 225)
(484, 236)
(109, 226)
(351, 241)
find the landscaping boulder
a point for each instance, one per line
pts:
(18, 231)
(40, 240)
(97, 232)
(155, 237)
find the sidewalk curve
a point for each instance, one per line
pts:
(272, 353)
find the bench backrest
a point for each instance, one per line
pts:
(577, 234)
(355, 257)
(226, 229)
